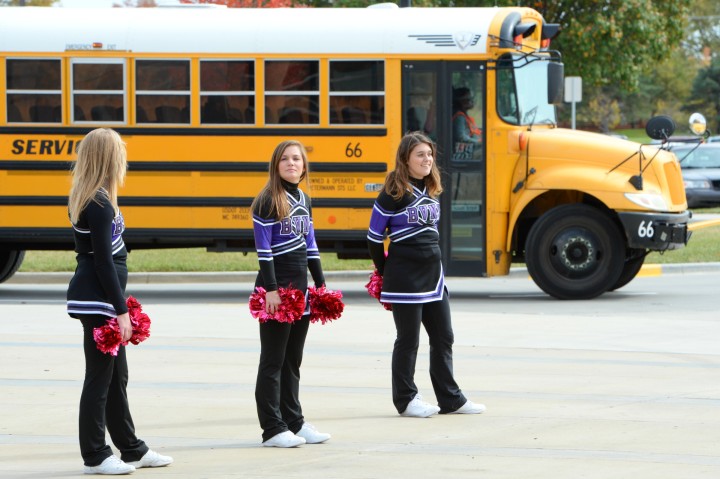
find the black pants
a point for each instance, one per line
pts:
(435, 316)
(104, 402)
(278, 381)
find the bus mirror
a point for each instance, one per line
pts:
(660, 127)
(698, 124)
(555, 81)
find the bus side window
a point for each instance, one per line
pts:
(357, 91)
(227, 89)
(98, 88)
(292, 90)
(163, 90)
(34, 90)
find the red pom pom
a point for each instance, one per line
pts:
(133, 305)
(325, 305)
(139, 320)
(374, 288)
(108, 337)
(292, 305)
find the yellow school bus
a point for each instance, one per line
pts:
(202, 96)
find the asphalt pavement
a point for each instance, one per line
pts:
(624, 386)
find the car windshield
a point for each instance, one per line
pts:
(699, 158)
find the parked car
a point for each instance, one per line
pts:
(713, 139)
(701, 173)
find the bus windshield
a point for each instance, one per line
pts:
(522, 93)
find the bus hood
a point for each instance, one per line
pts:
(593, 162)
(565, 144)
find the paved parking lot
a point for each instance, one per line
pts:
(623, 387)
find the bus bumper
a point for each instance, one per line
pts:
(656, 231)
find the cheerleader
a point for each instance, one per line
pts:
(286, 249)
(95, 294)
(413, 282)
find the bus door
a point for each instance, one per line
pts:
(446, 100)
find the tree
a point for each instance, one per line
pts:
(664, 91)
(706, 93)
(703, 39)
(602, 110)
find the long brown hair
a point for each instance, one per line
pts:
(273, 189)
(397, 182)
(100, 167)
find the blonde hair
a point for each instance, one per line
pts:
(397, 182)
(100, 168)
(273, 191)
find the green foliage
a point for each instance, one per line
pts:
(704, 37)
(612, 42)
(663, 91)
(706, 93)
(601, 110)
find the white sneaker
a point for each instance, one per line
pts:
(312, 435)
(470, 408)
(111, 466)
(284, 439)
(152, 459)
(419, 408)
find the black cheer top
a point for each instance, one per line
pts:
(98, 285)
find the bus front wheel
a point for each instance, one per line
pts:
(575, 252)
(10, 261)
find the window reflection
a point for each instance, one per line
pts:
(34, 91)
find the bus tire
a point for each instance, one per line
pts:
(633, 264)
(575, 252)
(10, 261)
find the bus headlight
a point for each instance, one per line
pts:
(650, 201)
